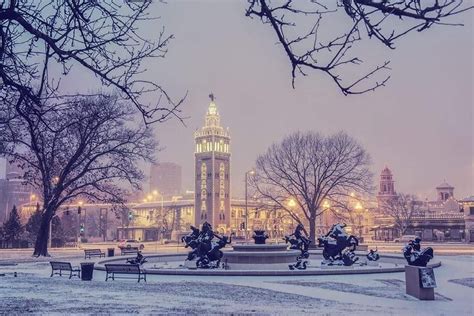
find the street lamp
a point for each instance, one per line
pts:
(291, 203)
(250, 172)
(358, 207)
(326, 205)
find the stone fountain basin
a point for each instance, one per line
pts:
(172, 264)
(252, 256)
(258, 247)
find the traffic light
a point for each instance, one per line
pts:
(81, 229)
(79, 210)
(242, 225)
(130, 216)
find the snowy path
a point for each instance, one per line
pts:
(33, 291)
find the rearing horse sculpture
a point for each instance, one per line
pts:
(206, 251)
(338, 246)
(299, 241)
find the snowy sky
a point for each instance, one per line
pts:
(420, 125)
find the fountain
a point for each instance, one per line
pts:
(209, 256)
(259, 236)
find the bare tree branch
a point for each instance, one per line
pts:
(327, 47)
(101, 37)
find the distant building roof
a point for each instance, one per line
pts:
(386, 171)
(468, 199)
(444, 185)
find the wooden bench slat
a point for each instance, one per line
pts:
(93, 252)
(112, 269)
(64, 266)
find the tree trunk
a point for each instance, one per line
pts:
(312, 231)
(41, 244)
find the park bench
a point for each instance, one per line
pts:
(89, 253)
(64, 266)
(112, 269)
(125, 251)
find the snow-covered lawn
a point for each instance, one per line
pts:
(33, 291)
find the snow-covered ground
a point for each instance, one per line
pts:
(33, 291)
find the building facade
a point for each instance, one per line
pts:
(212, 172)
(443, 219)
(171, 219)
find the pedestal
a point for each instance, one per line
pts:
(420, 282)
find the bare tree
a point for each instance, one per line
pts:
(169, 219)
(321, 41)
(401, 209)
(87, 149)
(42, 41)
(303, 171)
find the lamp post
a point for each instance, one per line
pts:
(251, 172)
(291, 205)
(358, 207)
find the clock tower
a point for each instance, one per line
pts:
(212, 172)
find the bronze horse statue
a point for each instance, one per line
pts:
(338, 246)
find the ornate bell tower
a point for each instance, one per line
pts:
(386, 187)
(212, 172)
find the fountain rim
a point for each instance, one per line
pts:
(221, 272)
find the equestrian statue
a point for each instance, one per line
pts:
(205, 249)
(338, 247)
(299, 241)
(415, 256)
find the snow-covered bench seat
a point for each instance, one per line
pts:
(89, 253)
(124, 251)
(64, 266)
(111, 269)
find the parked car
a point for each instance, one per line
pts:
(405, 238)
(130, 243)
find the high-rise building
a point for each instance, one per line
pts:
(212, 172)
(13, 191)
(165, 177)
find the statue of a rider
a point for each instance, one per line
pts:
(206, 251)
(338, 246)
(415, 256)
(299, 241)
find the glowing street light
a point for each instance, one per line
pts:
(326, 205)
(291, 203)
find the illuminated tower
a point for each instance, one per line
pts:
(212, 172)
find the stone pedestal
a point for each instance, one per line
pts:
(416, 283)
(373, 263)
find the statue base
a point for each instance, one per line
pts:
(335, 265)
(373, 263)
(190, 264)
(420, 282)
